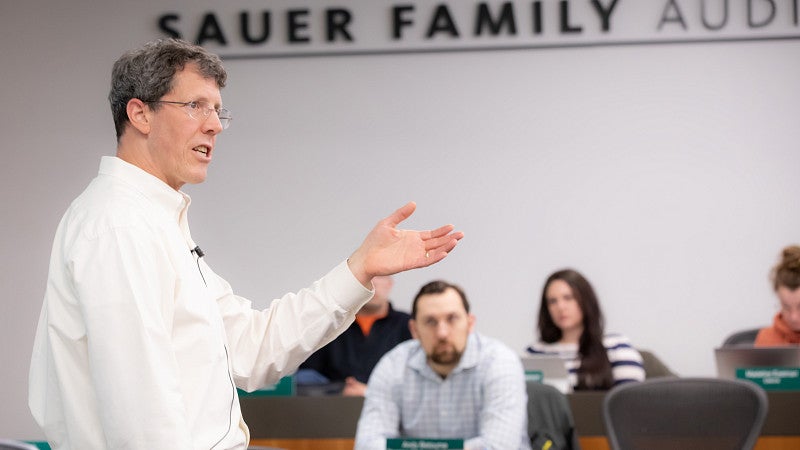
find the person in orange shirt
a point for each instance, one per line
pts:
(785, 329)
(345, 364)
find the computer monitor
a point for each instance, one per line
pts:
(548, 369)
(729, 359)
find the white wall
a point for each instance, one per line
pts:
(667, 174)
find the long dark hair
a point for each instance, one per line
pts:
(595, 370)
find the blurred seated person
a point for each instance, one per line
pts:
(347, 361)
(785, 329)
(571, 325)
(447, 383)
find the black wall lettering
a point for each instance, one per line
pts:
(295, 24)
(399, 21)
(442, 23)
(484, 18)
(565, 25)
(337, 21)
(536, 11)
(721, 24)
(605, 14)
(244, 27)
(165, 22)
(769, 19)
(210, 30)
(665, 17)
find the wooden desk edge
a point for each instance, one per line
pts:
(587, 443)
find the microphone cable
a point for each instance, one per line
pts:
(197, 251)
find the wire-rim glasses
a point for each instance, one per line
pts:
(200, 110)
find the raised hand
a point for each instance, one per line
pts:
(388, 250)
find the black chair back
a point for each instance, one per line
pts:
(684, 413)
(742, 337)
(550, 422)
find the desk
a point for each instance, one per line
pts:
(307, 423)
(301, 417)
(302, 423)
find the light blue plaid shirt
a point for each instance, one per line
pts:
(483, 400)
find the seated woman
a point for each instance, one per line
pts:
(785, 329)
(571, 326)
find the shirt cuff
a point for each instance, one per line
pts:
(345, 288)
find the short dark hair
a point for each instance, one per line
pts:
(438, 287)
(148, 73)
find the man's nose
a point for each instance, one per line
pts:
(213, 123)
(442, 329)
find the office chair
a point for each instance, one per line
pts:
(12, 444)
(741, 337)
(684, 413)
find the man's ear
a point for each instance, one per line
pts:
(471, 321)
(139, 115)
(412, 327)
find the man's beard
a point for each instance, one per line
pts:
(445, 355)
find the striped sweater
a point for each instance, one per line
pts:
(626, 362)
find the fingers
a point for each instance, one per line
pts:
(437, 254)
(441, 239)
(444, 245)
(439, 232)
(401, 214)
(437, 249)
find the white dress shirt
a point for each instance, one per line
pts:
(139, 343)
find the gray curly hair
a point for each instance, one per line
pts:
(148, 72)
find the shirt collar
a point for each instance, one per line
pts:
(174, 203)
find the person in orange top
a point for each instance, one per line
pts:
(785, 329)
(349, 359)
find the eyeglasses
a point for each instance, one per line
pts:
(200, 110)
